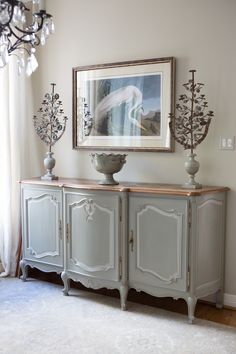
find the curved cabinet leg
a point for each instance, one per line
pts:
(123, 296)
(66, 282)
(219, 299)
(24, 269)
(191, 301)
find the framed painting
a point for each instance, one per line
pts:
(124, 106)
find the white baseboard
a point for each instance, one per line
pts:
(230, 300)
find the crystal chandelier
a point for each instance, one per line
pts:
(17, 37)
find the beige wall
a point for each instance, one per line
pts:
(199, 34)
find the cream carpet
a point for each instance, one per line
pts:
(35, 318)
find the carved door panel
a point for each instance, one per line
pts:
(92, 222)
(158, 242)
(42, 225)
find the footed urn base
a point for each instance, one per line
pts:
(49, 163)
(108, 180)
(192, 167)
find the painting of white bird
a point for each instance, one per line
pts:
(122, 109)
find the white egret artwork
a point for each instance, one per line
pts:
(123, 106)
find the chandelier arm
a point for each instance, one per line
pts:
(28, 32)
(21, 40)
(42, 15)
(22, 48)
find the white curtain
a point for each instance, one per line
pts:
(14, 155)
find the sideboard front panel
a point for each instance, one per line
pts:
(158, 254)
(93, 234)
(42, 225)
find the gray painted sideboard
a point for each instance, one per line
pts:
(161, 239)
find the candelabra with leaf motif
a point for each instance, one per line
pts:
(50, 125)
(189, 126)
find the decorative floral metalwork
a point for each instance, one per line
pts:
(85, 118)
(88, 119)
(190, 126)
(50, 125)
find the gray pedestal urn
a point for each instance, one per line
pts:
(192, 167)
(49, 164)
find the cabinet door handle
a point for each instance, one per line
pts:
(131, 240)
(60, 229)
(68, 232)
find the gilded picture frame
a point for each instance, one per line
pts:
(124, 105)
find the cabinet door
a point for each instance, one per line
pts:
(158, 242)
(93, 234)
(42, 225)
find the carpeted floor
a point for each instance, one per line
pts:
(35, 318)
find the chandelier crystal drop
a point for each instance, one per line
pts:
(21, 33)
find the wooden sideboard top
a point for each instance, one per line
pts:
(152, 188)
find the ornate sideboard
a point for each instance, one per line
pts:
(158, 238)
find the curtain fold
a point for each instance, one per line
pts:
(14, 155)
